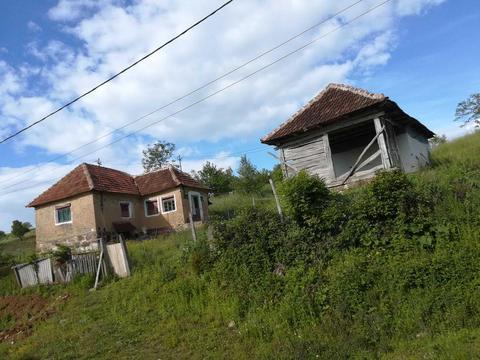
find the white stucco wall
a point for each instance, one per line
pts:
(414, 150)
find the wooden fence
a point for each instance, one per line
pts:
(80, 264)
(36, 272)
(46, 271)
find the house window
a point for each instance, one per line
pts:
(125, 210)
(63, 214)
(168, 204)
(151, 207)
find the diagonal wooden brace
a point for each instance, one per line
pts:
(355, 166)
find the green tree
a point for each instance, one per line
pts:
(437, 140)
(219, 180)
(19, 229)
(468, 110)
(277, 173)
(157, 155)
(250, 180)
(2, 234)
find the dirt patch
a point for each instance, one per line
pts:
(18, 314)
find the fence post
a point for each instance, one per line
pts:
(17, 276)
(97, 277)
(192, 225)
(279, 208)
(105, 259)
(125, 254)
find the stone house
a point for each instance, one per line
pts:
(346, 134)
(93, 201)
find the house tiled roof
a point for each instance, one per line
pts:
(164, 179)
(150, 182)
(74, 183)
(111, 180)
(331, 104)
(86, 177)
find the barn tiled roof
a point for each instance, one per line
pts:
(86, 177)
(335, 101)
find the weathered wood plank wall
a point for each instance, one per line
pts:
(309, 155)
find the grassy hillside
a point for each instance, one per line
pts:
(386, 279)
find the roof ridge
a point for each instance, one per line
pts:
(356, 90)
(150, 172)
(174, 176)
(87, 174)
(316, 98)
(109, 168)
(299, 111)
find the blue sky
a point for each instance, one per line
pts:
(420, 53)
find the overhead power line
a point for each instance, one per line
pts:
(235, 82)
(244, 152)
(117, 74)
(176, 100)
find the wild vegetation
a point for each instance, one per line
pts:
(389, 270)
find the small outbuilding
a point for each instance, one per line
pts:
(346, 134)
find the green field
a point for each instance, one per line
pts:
(417, 297)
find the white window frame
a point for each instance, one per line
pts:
(152, 199)
(55, 215)
(130, 209)
(174, 201)
(190, 202)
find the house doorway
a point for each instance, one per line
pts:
(195, 206)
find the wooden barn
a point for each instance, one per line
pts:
(346, 134)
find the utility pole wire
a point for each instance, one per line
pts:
(117, 74)
(190, 92)
(242, 152)
(233, 83)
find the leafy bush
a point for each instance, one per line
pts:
(304, 197)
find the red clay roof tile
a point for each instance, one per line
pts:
(87, 177)
(332, 103)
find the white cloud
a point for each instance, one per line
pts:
(415, 7)
(223, 160)
(69, 10)
(33, 26)
(111, 36)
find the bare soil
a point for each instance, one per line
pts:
(21, 312)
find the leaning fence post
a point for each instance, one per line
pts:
(100, 260)
(17, 275)
(103, 246)
(124, 254)
(192, 226)
(279, 208)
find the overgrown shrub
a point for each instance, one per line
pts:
(389, 207)
(395, 259)
(304, 197)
